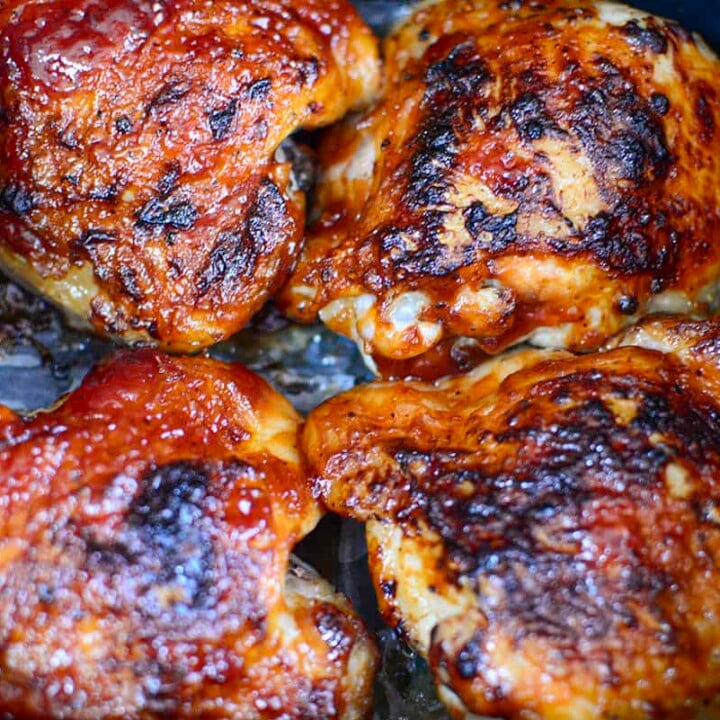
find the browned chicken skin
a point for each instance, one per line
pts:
(546, 529)
(145, 530)
(143, 185)
(543, 171)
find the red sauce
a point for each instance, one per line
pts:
(57, 44)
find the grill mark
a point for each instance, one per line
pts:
(236, 253)
(162, 211)
(452, 85)
(417, 249)
(220, 120)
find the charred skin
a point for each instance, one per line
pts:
(141, 186)
(540, 171)
(146, 526)
(546, 529)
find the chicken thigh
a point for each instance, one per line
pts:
(147, 185)
(531, 171)
(546, 529)
(145, 530)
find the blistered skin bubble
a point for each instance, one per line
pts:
(545, 529)
(147, 523)
(561, 153)
(147, 183)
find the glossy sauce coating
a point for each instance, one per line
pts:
(542, 171)
(145, 530)
(142, 183)
(546, 529)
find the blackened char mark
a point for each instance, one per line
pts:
(166, 212)
(500, 229)
(267, 218)
(433, 161)
(453, 91)
(220, 120)
(171, 93)
(105, 193)
(129, 281)
(628, 305)
(233, 257)
(169, 178)
(660, 103)
(123, 125)
(459, 76)
(470, 658)
(162, 558)
(260, 89)
(169, 519)
(631, 253)
(92, 243)
(235, 253)
(696, 425)
(621, 133)
(16, 200)
(531, 119)
(418, 250)
(453, 88)
(573, 466)
(649, 37)
(96, 236)
(622, 246)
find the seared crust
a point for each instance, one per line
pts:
(531, 170)
(145, 530)
(140, 187)
(546, 529)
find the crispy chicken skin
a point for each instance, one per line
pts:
(531, 170)
(546, 529)
(143, 184)
(145, 530)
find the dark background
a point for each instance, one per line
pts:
(700, 15)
